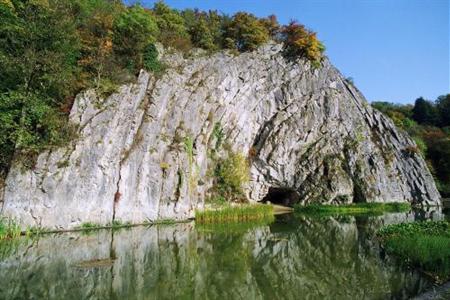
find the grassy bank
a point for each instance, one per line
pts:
(425, 245)
(352, 209)
(230, 214)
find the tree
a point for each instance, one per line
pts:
(134, 29)
(245, 32)
(173, 31)
(272, 26)
(199, 29)
(38, 47)
(301, 42)
(443, 108)
(424, 112)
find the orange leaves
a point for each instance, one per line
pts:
(302, 42)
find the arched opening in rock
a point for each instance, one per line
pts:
(282, 196)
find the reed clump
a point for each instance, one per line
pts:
(235, 214)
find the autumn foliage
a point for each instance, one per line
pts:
(301, 42)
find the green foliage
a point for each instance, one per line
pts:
(189, 147)
(173, 32)
(203, 28)
(134, 30)
(352, 209)
(301, 42)
(232, 173)
(89, 226)
(150, 57)
(238, 213)
(443, 108)
(424, 112)
(29, 124)
(422, 244)
(9, 229)
(218, 134)
(246, 32)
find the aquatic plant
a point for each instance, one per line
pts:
(352, 209)
(425, 245)
(238, 213)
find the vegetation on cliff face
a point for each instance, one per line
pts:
(52, 49)
(429, 124)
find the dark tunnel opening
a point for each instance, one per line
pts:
(282, 196)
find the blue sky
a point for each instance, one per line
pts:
(395, 50)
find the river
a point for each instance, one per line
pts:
(295, 257)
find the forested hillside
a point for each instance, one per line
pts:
(52, 49)
(428, 122)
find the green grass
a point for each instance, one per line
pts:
(235, 214)
(9, 229)
(352, 209)
(425, 245)
(89, 226)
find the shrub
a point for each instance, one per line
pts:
(151, 62)
(232, 172)
(301, 42)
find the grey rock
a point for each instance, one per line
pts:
(309, 132)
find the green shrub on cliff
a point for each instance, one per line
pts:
(231, 173)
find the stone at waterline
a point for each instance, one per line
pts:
(307, 130)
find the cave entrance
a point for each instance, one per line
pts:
(282, 196)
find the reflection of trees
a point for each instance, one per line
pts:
(295, 257)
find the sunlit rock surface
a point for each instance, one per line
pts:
(305, 130)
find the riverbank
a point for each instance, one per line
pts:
(352, 209)
(422, 245)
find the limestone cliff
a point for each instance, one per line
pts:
(310, 135)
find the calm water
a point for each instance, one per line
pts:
(293, 258)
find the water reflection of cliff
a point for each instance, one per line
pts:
(295, 258)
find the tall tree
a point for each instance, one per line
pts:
(246, 32)
(173, 31)
(443, 107)
(134, 29)
(424, 112)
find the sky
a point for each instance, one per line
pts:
(395, 50)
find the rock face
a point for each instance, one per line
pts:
(144, 153)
